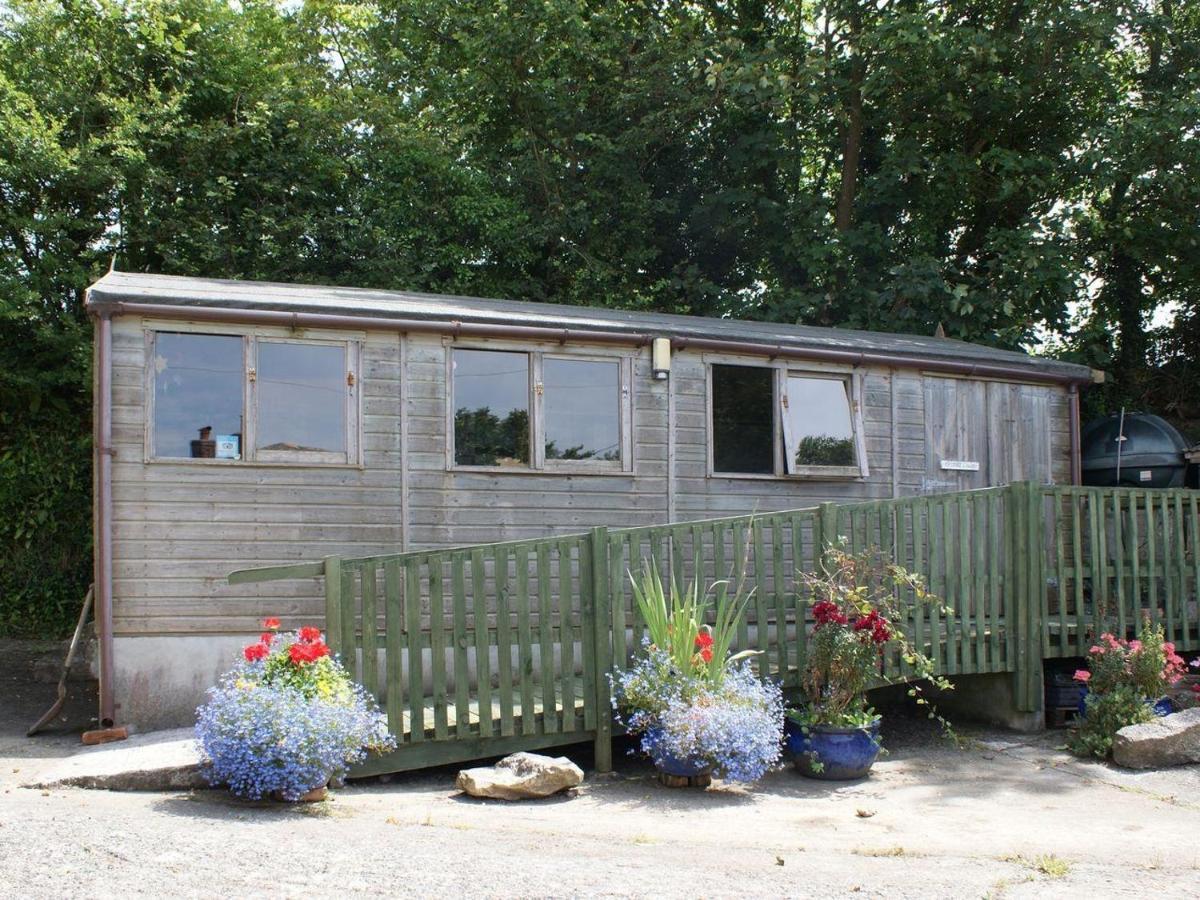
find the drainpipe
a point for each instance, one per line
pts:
(103, 561)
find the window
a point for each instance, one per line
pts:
(251, 398)
(743, 420)
(818, 425)
(198, 396)
(491, 408)
(582, 409)
(302, 401)
(818, 431)
(532, 410)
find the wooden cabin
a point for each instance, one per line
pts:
(243, 424)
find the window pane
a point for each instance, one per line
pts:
(198, 381)
(491, 415)
(583, 409)
(302, 397)
(743, 419)
(820, 428)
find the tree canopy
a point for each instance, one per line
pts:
(1021, 172)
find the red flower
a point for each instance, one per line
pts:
(704, 641)
(706, 652)
(302, 653)
(827, 613)
(876, 624)
(309, 634)
(271, 623)
(266, 637)
(255, 652)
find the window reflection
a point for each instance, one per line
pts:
(818, 429)
(302, 396)
(582, 409)
(198, 395)
(491, 408)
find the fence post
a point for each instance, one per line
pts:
(603, 657)
(333, 603)
(1031, 594)
(827, 515)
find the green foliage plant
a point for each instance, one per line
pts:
(860, 603)
(675, 620)
(1124, 678)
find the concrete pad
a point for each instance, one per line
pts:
(157, 761)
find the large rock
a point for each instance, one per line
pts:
(1172, 740)
(520, 777)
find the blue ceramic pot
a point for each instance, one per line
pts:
(1162, 706)
(669, 764)
(843, 753)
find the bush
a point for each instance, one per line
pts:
(734, 728)
(287, 719)
(1124, 678)
(688, 697)
(45, 527)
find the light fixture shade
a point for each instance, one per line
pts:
(660, 358)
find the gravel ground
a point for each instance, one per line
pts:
(1010, 816)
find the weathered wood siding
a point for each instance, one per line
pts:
(180, 528)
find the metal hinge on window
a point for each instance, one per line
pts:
(252, 374)
(539, 389)
(350, 379)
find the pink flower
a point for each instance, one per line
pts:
(1096, 648)
(1083, 676)
(1135, 646)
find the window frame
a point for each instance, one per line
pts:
(538, 464)
(782, 370)
(352, 457)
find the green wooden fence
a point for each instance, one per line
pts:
(481, 650)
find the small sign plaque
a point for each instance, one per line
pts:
(228, 446)
(960, 465)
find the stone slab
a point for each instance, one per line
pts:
(155, 761)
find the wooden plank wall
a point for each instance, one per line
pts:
(181, 528)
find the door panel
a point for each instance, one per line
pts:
(956, 435)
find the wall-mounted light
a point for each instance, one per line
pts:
(660, 358)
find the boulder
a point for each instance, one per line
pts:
(1172, 740)
(521, 776)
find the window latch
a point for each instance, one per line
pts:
(350, 379)
(784, 401)
(539, 389)
(251, 375)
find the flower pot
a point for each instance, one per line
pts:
(1163, 706)
(833, 754)
(669, 764)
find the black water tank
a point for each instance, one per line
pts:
(1151, 454)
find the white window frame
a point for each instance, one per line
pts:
(853, 378)
(537, 412)
(351, 457)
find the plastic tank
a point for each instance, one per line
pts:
(1150, 453)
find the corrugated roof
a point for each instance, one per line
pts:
(173, 290)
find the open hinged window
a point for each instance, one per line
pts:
(251, 398)
(541, 411)
(771, 421)
(822, 434)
